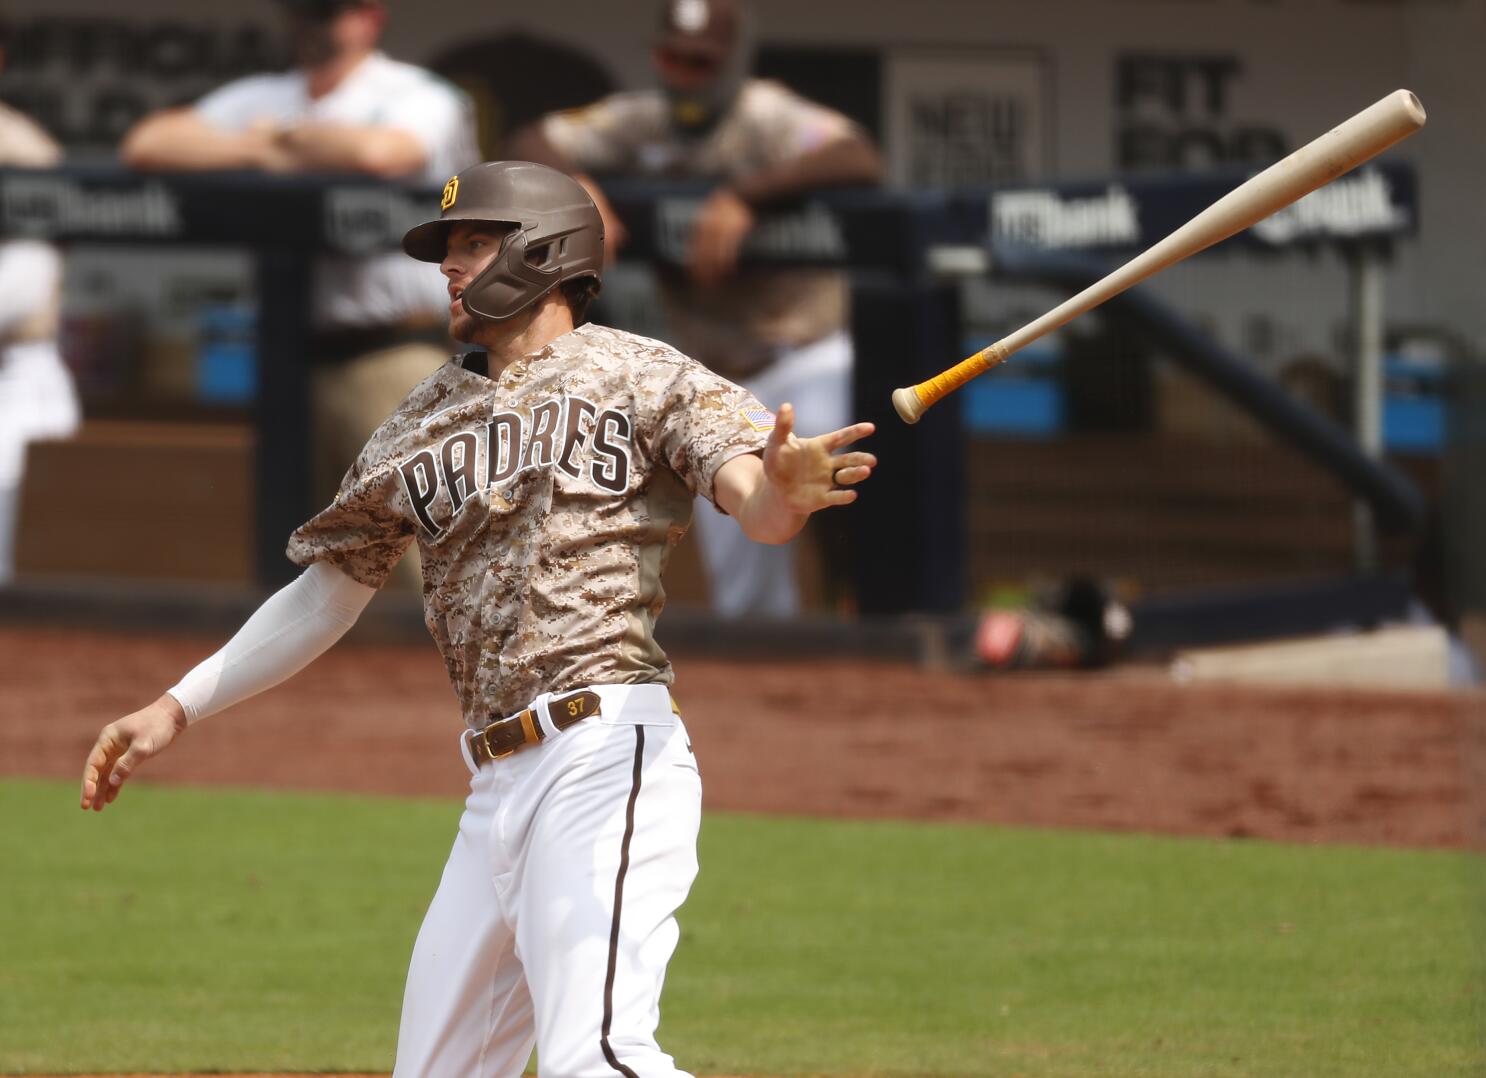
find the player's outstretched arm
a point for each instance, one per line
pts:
(772, 497)
(290, 630)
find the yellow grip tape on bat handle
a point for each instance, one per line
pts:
(942, 385)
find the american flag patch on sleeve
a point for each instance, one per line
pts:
(758, 418)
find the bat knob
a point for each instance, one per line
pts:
(907, 404)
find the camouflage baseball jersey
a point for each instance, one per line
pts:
(545, 504)
(736, 325)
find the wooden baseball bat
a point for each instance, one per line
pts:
(1316, 163)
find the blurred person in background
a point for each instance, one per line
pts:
(37, 397)
(345, 107)
(780, 333)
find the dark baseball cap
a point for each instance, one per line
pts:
(324, 9)
(700, 27)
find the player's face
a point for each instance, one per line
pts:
(687, 70)
(317, 38)
(472, 247)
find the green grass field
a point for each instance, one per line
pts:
(188, 929)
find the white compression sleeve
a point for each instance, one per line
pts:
(290, 630)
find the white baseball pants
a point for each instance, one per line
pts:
(555, 918)
(758, 579)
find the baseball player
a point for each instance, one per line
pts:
(780, 333)
(37, 397)
(545, 477)
(345, 107)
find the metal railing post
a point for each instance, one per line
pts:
(1366, 281)
(284, 462)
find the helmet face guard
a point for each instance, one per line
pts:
(555, 234)
(510, 283)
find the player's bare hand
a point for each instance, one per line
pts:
(265, 145)
(124, 745)
(720, 228)
(809, 474)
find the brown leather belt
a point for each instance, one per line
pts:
(504, 736)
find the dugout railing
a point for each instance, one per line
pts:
(907, 254)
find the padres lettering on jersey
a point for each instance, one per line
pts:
(545, 503)
(593, 443)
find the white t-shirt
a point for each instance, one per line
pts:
(379, 92)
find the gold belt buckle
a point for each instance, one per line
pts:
(530, 734)
(489, 750)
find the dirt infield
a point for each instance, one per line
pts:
(1129, 751)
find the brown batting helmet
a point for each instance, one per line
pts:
(556, 233)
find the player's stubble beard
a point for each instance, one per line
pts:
(464, 326)
(489, 335)
(523, 334)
